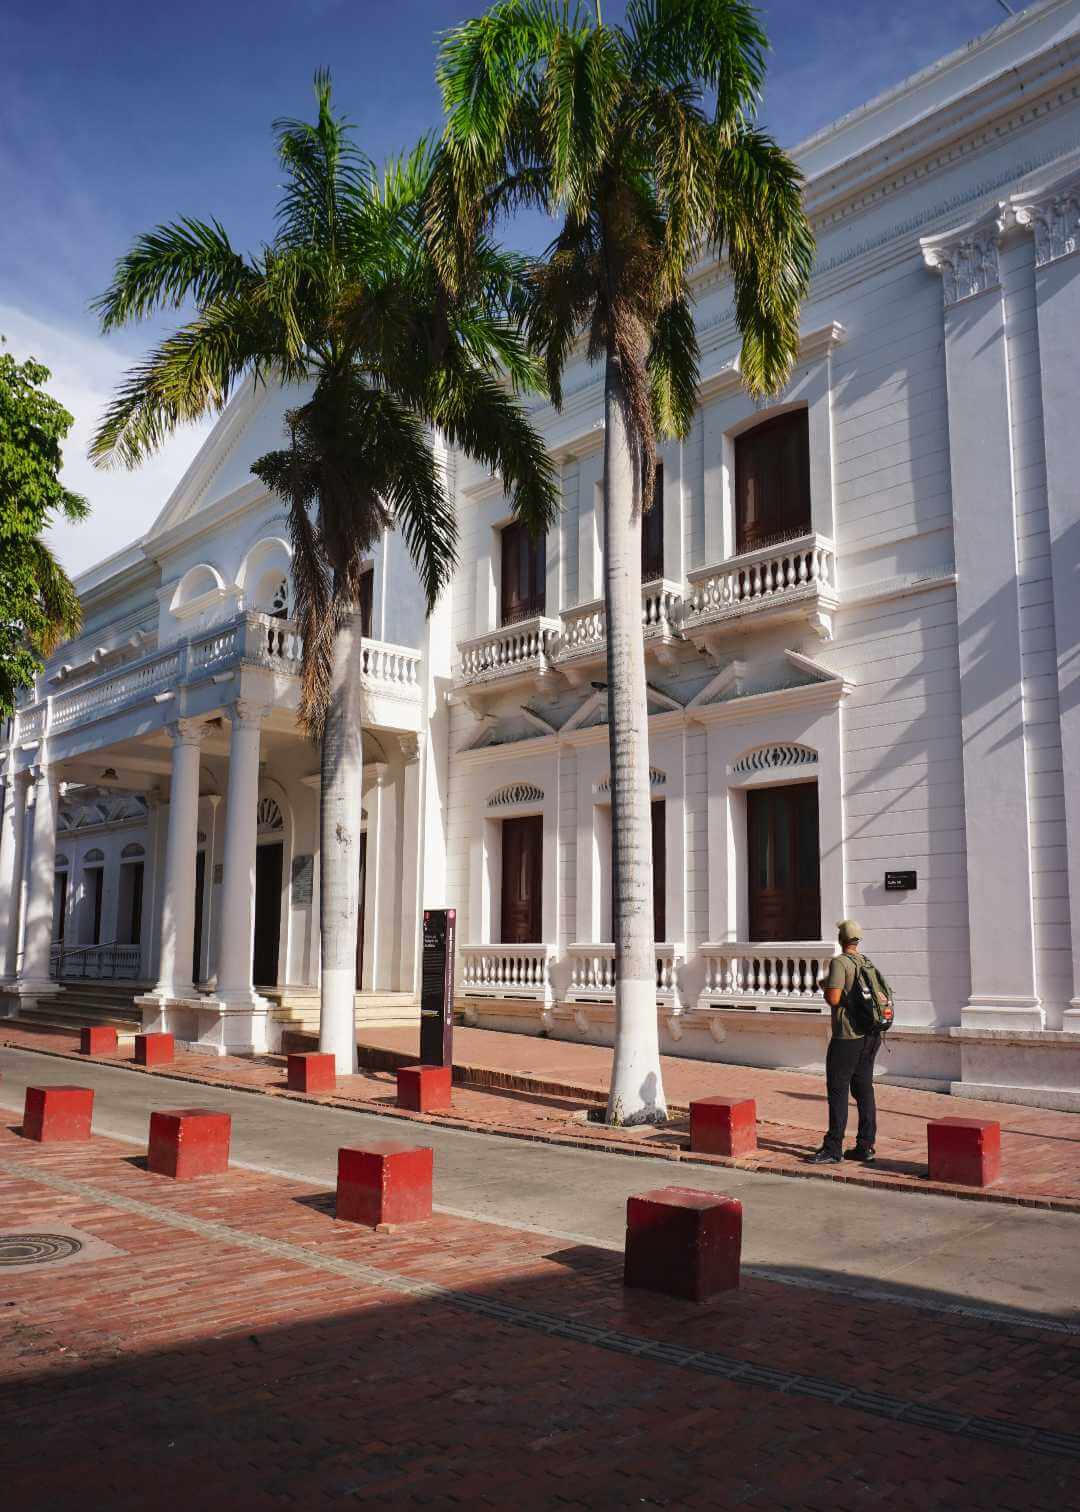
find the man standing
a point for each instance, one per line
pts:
(849, 1064)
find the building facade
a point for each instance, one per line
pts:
(862, 626)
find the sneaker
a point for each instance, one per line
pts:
(823, 1157)
(859, 1152)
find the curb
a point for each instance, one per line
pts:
(573, 1141)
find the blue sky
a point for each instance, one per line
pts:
(117, 115)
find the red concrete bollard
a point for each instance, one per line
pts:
(424, 1089)
(97, 1040)
(683, 1243)
(189, 1142)
(386, 1182)
(154, 1049)
(311, 1073)
(53, 1114)
(964, 1151)
(723, 1126)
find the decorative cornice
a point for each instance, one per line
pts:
(1053, 215)
(967, 256)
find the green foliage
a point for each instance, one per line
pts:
(348, 302)
(38, 605)
(639, 140)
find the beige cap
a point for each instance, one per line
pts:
(849, 931)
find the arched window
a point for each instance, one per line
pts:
(772, 481)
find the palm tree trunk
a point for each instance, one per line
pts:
(340, 817)
(637, 1093)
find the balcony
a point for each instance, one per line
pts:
(770, 975)
(517, 655)
(592, 973)
(507, 971)
(583, 643)
(390, 678)
(793, 580)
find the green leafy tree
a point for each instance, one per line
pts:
(38, 604)
(347, 305)
(640, 141)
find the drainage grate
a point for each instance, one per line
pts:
(37, 1249)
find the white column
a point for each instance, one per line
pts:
(410, 863)
(39, 902)
(1000, 911)
(181, 843)
(12, 835)
(235, 982)
(1054, 216)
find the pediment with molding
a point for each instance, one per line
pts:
(795, 677)
(252, 423)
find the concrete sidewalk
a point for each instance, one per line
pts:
(543, 1089)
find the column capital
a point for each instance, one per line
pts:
(45, 774)
(967, 256)
(1052, 214)
(189, 732)
(247, 714)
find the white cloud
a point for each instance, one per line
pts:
(85, 371)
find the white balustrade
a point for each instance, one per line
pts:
(524, 647)
(30, 722)
(770, 974)
(584, 632)
(592, 972)
(801, 568)
(103, 695)
(518, 971)
(249, 637)
(219, 646)
(389, 667)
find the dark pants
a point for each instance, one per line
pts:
(849, 1067)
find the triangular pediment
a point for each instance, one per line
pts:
(793, 673)
(252, 423)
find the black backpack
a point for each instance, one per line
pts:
(869, 1000)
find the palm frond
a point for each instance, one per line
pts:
(673, 368)
(759, 219)
(190, 259)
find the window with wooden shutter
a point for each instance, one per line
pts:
(524, 575)
(652, 533)
(772, 482)
(784, 862)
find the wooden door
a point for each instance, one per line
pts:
(659, 869)
(60, 910)
(135, 918)
(772, 482)
(367, 602)
(360, 912)
(264, 959)
(200, 887)
(522, 880)
(784, 862)
(523, 592)
(652, 533)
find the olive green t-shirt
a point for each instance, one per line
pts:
(842, 973)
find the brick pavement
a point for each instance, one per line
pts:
(1040, 1147)
(246, 1351)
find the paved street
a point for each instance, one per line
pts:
(227, 1340)
(934, 1249)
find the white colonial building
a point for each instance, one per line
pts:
(862, 616)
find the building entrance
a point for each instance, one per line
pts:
(785, 861)
(268, 864)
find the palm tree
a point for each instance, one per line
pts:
(639, 140)
(345, 304)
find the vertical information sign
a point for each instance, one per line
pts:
(437, 988)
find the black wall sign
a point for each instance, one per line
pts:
(901, 881)
(437, 988)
